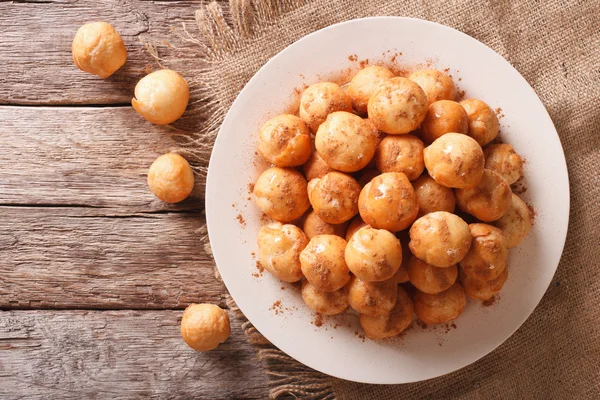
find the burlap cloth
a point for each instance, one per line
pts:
(555, 45)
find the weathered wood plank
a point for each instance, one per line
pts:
(124, 354)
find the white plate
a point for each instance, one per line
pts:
(420, 353)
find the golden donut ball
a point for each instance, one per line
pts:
(442, 117)
(455, 160)
(346, 141)
(285, 141)
(365, 83)
(489, 200)
(392, 323)
(279, 248)
(398, 106)
(204, 326)
(316, 167)
(327, 303)
(321, 99)
(441, 307)
(313, 226)
(432, 196)
(401, 154)
(281, 193)
(516, 223)
(98, 49)
(483, 290)
(372, 298)
(429, 279)
(355, 224)
(388, 202)
(401, 275)
(373, 255)
(503, 159)
(483, 122)
(161, 97)
(436, 85)
(323, 264)
(334, 197)
(440, 238)
(488, 254)
(170, 178)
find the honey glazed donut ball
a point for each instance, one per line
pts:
(323, 265)
(442, 117)
(392, 323)
(441, 307)
(402, 153)
(204, 326)
(483, 290)
(365, 83)
(503, 159)
(516, 223)
(315, 167)
(321, 99)
(398, 106)
(388, 202)
(313, 226)
(489, 200)
(285, 141)
(440, 238)
(161, 97)
(432, 196)
(346, 141)
(483, 122)
(372, 298)
(171, 178)
(373, 255)
(279, 248)
(98, 49)
(281, 193)
(326, 303)
(334, 197)
(455, 160)
(429, 279)
(436, 85)
(488, 254)
(355, 224)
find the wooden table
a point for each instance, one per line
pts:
(94, 270)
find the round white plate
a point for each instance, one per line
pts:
(420, 353)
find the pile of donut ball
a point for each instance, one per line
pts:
(364, 213)
(160, 97)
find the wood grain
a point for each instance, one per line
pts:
(119, 354)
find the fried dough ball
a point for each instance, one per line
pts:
(392, 323)
(161, 97)
(483, 122)
(442, 117)
(285, 141)
(321, 99)
(436, 85)
(334, 197)
(171, 178)
(346, 141)
(365, 83)
(372, 298)
(401, 275)
(432, 196)
(204, 326)
(279, 248)
(388, 202)
(455, 160)
(440, 238)
(327, 303)
(281, 194)
(489, 200)
(316, 167)
(480, 289)
(98, 49)
(401, 154)
(398, 106)
(503, 159)
(373, 255)
(488, 254)
(323, 265)
(313, 226)
(430, 279)
(442, 307)
(354, 226)
(516, 223)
